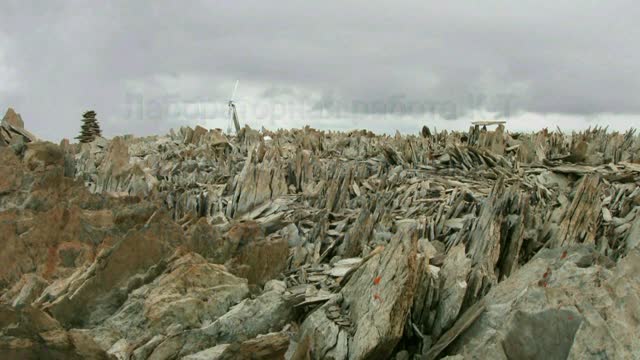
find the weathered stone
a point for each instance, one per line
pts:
(127, 254)
(268, 346)
(268, 312)
(207, 241)
(25, 291)
(40, 155)
(261, 180)
(261, 261)
(452, 289)
(96, 293)
(12, 118)
(30, 333)
(378, 297)
(633, 236)
(143, 352)
(10, 171)
(553, 309)
(581, 216)
(190, 292)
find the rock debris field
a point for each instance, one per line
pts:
(306, 244)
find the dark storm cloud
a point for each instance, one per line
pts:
(576, 57)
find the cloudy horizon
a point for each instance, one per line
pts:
(332, 65)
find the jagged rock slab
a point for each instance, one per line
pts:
(377, 298)
(25, 291)
(12, 118)
(557, 308)
(267, 313)
(191, 292)
(94, 293)
(268, 346)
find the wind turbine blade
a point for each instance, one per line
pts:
(234, 90)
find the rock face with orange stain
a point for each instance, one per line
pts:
(244, 249)
(121, 267)
(95, 291)
(11, 171)
(261, 261)
(378, 312)
(50, 223)
(189, 293)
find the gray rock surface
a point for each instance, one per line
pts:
(269, 312)
(376, 301)
(268, 346)
(308, 244)
(578, 313)
(12, 130)
(189, 293)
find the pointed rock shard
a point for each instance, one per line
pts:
(12, 130)
(453, 287)
(580, 218)
(12, 118)
(462, 324)
(378, 313)
(261, 180)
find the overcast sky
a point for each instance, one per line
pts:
(330, 64)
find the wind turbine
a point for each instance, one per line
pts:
(233, 114)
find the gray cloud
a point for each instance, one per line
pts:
(572, 57)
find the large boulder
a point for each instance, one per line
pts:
(269, 312)
(207, 241)
(10, 172)
(244, 249)
(190, 293)
(563, 304)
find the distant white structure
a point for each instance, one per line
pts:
(488, 122)
(233, 114)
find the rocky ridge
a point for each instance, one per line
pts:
(304, 244)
